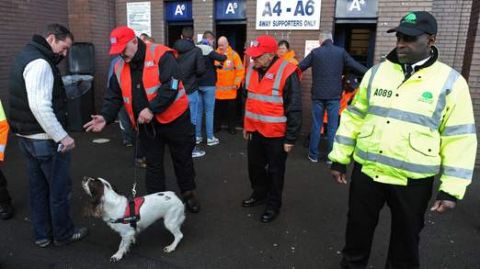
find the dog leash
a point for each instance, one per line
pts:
(152, 133)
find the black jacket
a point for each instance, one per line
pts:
(191, 63)
(292, 103)
(21, 118)
(168, 69)
(209, 78)
(328, 62)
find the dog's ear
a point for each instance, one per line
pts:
(94, 208)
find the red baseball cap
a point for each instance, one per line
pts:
(119, 39)
(263, 44)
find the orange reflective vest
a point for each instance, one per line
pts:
(151, 83)
(264, 111)
(4, 127)
(290, 56)
(230, 77)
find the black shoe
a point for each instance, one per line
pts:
(269, 215)
(6, 211)
(77, 235)
(252, 201)
(232, 131)
(191, 202)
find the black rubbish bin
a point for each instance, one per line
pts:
(80, 102)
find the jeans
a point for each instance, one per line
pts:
(50, 188)
(206, 100)
(318, 108)
(193, 105)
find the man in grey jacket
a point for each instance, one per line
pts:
(327, 62)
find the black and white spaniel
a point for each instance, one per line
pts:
(117, 212)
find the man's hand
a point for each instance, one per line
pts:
(441, 206)
(145, 116)
(340, 177)
(247, 135)
(287, 147)
(96, 124)
(67, 144)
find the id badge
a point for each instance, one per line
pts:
(174, 84)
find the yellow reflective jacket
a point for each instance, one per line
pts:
(4, 127)
(410, 129)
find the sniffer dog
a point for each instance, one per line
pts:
(116, 211)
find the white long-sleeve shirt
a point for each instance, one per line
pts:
(38, 77)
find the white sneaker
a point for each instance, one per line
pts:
(197, 153)
(198, 140)
(212, 141)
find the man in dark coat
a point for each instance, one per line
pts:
(327, 62)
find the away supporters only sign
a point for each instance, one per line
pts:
(288, 14)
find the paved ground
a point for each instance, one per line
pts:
(307, 234)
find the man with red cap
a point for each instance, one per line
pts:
(145, 83)
(273, 118)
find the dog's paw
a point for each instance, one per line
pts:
(169, 249)
(116, 257)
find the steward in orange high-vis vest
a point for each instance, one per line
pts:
(273, 117)
(151, 84)
(145, 83)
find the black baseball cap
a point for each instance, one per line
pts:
(416, 23)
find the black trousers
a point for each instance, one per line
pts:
(266, 168)
(407, 205)
(179, 136)
(4, 195)
(225, 112)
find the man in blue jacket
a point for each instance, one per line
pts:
(327, 62)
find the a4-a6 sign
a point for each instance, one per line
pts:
(288, 14)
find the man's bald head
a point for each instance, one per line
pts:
(222, 43)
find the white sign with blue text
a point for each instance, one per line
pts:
(288, 14)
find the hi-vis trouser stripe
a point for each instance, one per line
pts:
(263, 118)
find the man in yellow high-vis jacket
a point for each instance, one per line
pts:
(411, 120)
(6, 208)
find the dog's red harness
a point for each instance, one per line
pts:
(132, 212)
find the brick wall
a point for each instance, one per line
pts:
(157, 17)
(389, 14)
(203, 16)
(91, 21)
(20, 20)
(453, 17)
(474, 68)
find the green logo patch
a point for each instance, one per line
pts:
(426, 97)
(410, 18)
